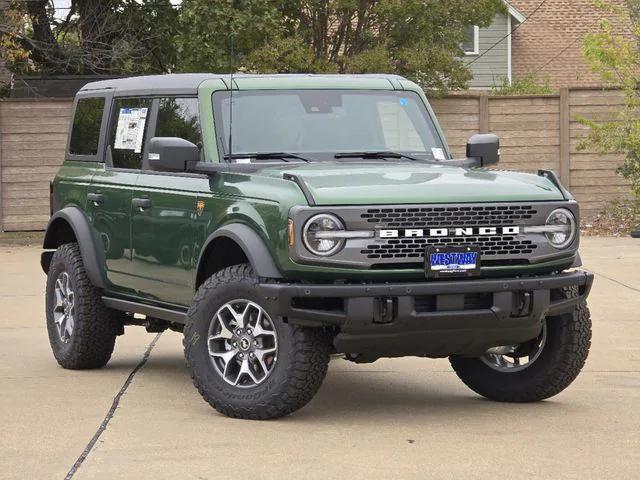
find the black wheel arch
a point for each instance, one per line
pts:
(69, 225)
(249, 243)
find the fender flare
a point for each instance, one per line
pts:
(251, 244)
(79, 223)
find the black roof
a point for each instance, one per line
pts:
(187, 83)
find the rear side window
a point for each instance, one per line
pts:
(128, 131)
(178, 117)
(85, 132)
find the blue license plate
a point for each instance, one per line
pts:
(452, 261)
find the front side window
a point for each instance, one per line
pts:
(178, 117)
(325, 122)
(85, 132)
(128, 131)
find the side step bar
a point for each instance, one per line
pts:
(162, 313)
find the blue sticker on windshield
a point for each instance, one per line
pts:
(404, 102)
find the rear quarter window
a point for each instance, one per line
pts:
(85, 131)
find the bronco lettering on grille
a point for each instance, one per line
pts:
(445, 232)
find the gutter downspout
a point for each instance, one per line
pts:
(509, 47)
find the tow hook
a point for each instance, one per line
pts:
(385, 309)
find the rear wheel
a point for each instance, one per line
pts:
(535, 370)
(82, 331)
(245, 362)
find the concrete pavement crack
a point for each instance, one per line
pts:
(114, 405)
(614, 280)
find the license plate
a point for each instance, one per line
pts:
(459, 261)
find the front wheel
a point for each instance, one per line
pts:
(245, 362)
(535, 370)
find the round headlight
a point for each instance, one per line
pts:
(317, 235)
(564, 228)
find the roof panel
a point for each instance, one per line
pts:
(189, 82)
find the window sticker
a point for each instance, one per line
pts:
(130, 129)
(404, 102)
(438, 153)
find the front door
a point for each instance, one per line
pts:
(165, 206)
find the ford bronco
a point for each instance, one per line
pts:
(277, 220)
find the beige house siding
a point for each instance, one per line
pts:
(537, 132)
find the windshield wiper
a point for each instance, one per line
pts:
(267, 156)
(381, 155)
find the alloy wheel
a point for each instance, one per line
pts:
(64, 307)
(242, 343)
(520, 357)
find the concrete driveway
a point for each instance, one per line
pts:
(405, 418)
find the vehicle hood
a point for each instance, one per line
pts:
(337, 183)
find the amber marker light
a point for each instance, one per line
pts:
(292, 236)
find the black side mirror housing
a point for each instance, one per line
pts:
(484, 149)
(171, 154)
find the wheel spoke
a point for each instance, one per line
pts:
(242, 317)
(59, 298)
(226, 357)
(245, 368)
(60, 319)
(260, 354)
(68, 327)
(65, 283)
(71, 298)
(225, 330)
(259, 331)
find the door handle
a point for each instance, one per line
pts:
(96, 198)
(142, 203)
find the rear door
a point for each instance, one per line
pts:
(164, 211)
(111, 191)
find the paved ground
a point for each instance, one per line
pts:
(406, 418)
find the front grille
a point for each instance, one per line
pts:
(415, 247)
(435, 217)
(409, 217)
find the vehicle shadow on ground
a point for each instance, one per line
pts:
(366, 396)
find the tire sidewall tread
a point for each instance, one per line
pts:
(302, 362)
(95, 326)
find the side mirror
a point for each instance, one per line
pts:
(171, 154)
(484, 149)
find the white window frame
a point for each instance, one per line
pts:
(476, 42)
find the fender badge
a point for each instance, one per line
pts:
(199, 207)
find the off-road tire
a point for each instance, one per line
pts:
(95, 326)
(303, 354)
(561, 360)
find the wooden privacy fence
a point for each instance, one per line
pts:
(536, 132)
(542, 132)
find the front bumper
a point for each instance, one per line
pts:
(435, 319)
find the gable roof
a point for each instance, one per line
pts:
(514, 12)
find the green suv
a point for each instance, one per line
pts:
(277, 220)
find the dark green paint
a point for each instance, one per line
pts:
(153, 253)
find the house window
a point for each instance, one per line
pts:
(472, 45)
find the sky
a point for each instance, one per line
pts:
(62, 6)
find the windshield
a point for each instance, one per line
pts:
(321, 123)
